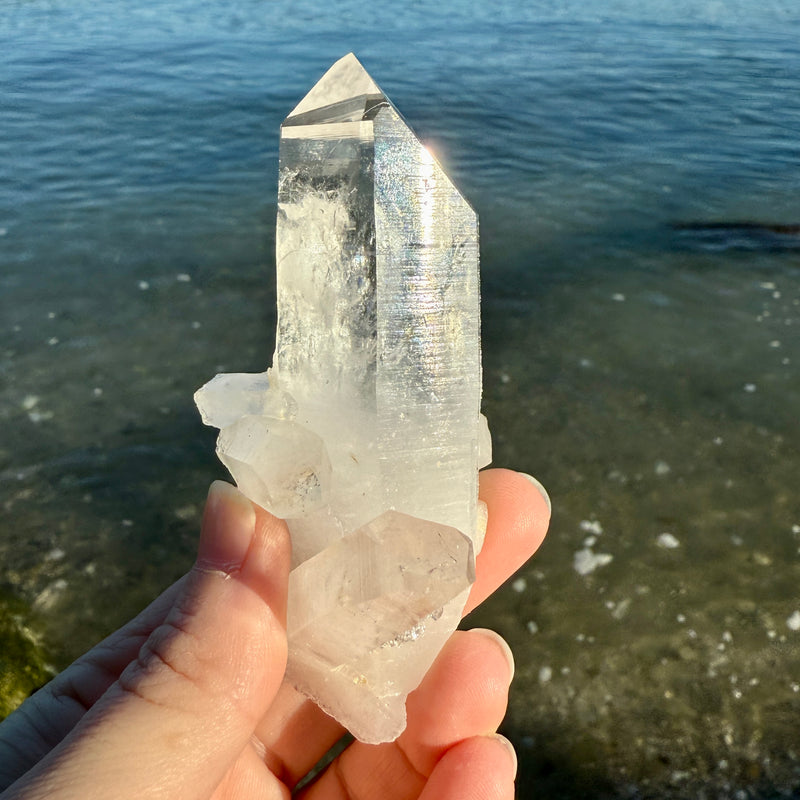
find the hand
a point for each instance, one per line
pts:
(187, 701)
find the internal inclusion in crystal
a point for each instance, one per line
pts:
(366, 434)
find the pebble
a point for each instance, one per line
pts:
(545, 674)
(586, 561)
(661, 468)
(519, 585)
(667, 541)
(143, 285)
(532, 626)
(186, 512)
(591, 526)
(750, 387)
(48, 597)
(793, 621)
(183, 277)
(622, 608)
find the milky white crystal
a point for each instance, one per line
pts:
(366, 434)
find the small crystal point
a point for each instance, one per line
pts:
(229, 396)
(337, 94)
(366, 434)
(381, 587)
(278, 464)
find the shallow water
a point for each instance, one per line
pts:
(645, 371)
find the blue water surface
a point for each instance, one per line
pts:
(599, 118)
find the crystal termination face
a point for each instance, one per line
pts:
(366, 433)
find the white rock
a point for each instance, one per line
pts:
(667, 541)
(591, 526)
(586, 561)
(622, 608)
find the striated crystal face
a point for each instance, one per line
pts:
(366, 434)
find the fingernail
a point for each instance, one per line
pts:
(503, 645)
(512, 753)
(542, 490)
(228, 525)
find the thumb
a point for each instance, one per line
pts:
(182, 712)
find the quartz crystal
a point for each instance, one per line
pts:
(366, 434)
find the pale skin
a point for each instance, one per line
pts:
(187, 701)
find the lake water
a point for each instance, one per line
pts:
(641, 343)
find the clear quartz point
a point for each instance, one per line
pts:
(366, 434)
